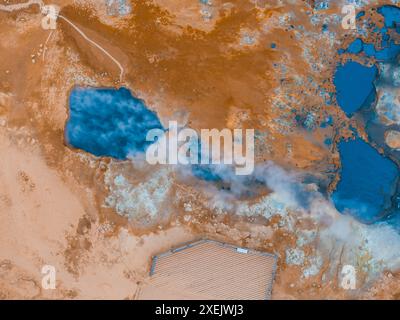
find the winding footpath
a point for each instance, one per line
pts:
(20, 6)
(121, 68)
(25, 5)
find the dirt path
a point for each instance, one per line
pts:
(121, 68)
(20, 6)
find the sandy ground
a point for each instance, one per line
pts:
(43, 221)
(52, 198)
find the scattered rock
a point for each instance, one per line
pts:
(392, 139)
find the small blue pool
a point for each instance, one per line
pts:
(109, 122)
(354, 85)
(367, 181)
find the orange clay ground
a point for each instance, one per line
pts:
(53, 198)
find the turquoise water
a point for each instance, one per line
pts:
(391, 15)
(356, 46)
(368, 187)
(354, 85)
(109, 122)
(367, 183)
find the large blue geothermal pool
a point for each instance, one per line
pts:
(368, 187)
(108, 122)
(354, 85)
(367, 181)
